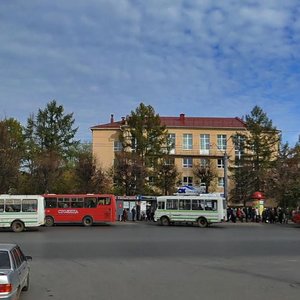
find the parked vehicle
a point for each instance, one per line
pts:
(21, 211)
(202, 210)
(86, 209)
(14, 271)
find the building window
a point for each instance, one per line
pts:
(118, 146)
(220, 163)
(222, 141)
(187, 141)
(204, 162)
(204, 143)
(172, 142)
(188, 180)
(239, 146)
(187, 162)
(170, 161)
(221, 181)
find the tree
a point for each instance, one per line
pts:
(258, 149)
(50, 143)
(88, 178)
(145, 142)
(128, 174)
(284, 182)
(206, 173)
(12, 153)
(166, 176)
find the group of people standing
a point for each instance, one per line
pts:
(252, 214)
(135, 216)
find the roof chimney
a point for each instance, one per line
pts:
(181, 117)
(111, 118)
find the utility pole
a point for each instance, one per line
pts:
(225, 161)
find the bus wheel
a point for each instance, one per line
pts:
(87, 221)
(17, 226)
(49, 221)
(164, 221)
(202, 222)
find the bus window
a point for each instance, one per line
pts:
(29, 205)
(211, 205)
(197, 204)
(63, 202)
(51, 203)
(172, 204)
(184, 204)
(90, 202)
(104, 201)
(76, 202)
(161, 205)
(13, 205)
(1, 205)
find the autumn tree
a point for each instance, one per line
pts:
(88, 178)
(284, 181)
(205, 172)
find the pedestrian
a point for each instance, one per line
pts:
(133, 211)
(124, 215)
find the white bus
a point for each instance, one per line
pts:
(202, 210)
(21, 211)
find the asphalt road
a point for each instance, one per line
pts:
(147, 261)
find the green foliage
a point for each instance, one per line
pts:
(284, 181)
(258, 151)
(50, 143)
(12, 153)
(145, 142)
(166, 176)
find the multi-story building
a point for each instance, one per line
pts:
(197, 141)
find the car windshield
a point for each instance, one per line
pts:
(4, 260)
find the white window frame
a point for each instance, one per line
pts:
(187, 180)
(221, 182)
(118, 146)
(187, 141)
(204, 144)
(220, 163)
(172, 137)
(222, 142)
(187, 162)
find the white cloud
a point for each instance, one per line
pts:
(198, 57)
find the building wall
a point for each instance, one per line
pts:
(103, 146)
(103, 149)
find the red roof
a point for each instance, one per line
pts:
(188, 122)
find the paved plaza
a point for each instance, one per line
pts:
(143, 260)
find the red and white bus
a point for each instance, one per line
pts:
(79, 208)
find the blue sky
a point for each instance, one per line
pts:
(199, 57)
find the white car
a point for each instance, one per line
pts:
(14, 271)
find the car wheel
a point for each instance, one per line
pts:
(49, 221)
(87, 221)
(17, 226)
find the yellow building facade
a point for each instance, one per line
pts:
(198, 141)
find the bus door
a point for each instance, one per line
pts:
(105, 209)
